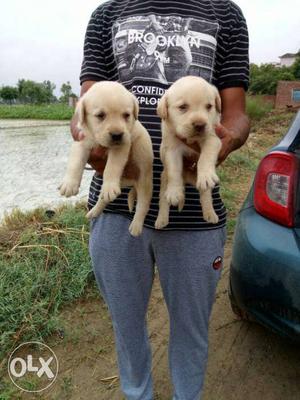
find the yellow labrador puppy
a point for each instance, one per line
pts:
(189, 110)
(108, 115)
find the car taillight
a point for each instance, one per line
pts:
(275, 187)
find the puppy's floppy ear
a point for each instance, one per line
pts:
(136, 107)
(80, 111)
(218, 100)
(162, 108)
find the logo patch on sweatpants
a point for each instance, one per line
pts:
(217, 264)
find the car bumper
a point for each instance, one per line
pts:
(265, 273)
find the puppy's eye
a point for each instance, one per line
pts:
(101, 116)
(183, 107)
(209, 106)
(126, 115)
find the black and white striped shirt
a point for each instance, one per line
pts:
(147, 45)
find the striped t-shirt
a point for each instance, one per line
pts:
(147, 45)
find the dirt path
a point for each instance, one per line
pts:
(30, 123)
(245, 360)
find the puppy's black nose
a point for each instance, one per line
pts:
(116, 136)
(199, 127)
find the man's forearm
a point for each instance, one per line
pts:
(234, 119)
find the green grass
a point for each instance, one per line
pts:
(44, 111)
(257, 108)
(8, 391)
(44, 264)
(234, 174)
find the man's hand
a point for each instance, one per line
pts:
(234, 128)
(230, 141)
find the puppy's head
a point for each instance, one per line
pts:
(191, 107)
(107, 112)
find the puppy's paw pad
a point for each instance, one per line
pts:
(135, 228)
(175, 196)
(69, 188)
(210, 216)
(110, 191)
(207, 180)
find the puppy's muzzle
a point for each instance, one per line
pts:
(116, 137)
(199, 127)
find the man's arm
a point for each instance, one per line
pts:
(235, 125)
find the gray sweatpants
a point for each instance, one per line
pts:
(189, 266)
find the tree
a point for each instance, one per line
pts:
(48, 88)
(296, 68)
(9, 93)
(35, 92)
(264, 78)
(66, 90)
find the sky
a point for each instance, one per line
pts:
(43, 40)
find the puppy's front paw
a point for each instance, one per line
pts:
(94, 212)
(161, 221)
(207, 180)
(91, 214)
(69, 188)
(210, 216)
(110, 191)
(135, 228)
(175, 195)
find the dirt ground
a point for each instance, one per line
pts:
(245, 360)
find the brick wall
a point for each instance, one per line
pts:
(284, 93)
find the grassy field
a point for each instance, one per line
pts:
(44, 260)
(44, 111)
(44, 264)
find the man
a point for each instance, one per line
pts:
(188, 252)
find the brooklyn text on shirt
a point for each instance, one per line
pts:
(175, 40)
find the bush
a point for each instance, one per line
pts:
(264, 78)
(257, 108)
